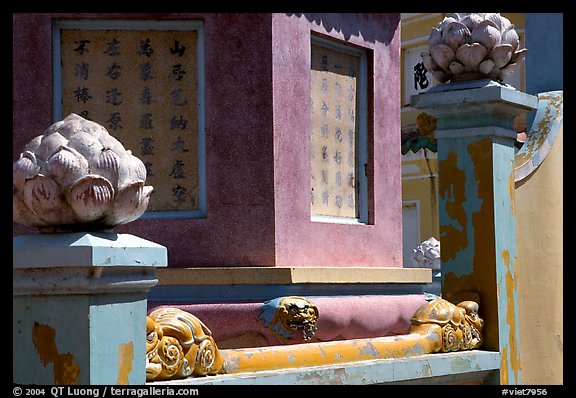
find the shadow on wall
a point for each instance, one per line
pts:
(348, 23)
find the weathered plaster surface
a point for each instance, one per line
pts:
(66, 370)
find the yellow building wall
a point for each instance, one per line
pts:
(420, 184)
(539, 248)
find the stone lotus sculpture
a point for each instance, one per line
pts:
(466, 46)
(427, 254)
(76, 176)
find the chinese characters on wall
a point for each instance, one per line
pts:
(416, 78)
(334, 86)
(142, 86)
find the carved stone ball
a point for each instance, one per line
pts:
(77, 177)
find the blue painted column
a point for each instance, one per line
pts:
(475, 136)
(79, 307)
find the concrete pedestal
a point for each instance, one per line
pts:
(476, 202)
(79, 307)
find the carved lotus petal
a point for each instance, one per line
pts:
(510, 36)
(429, 63)
(86, 144)
(33, 145)
(441, 75)
(471, 54)
(518, 56)
(41, 194)
(456, 67)
(507, 70)
(435, 37)
(501, 54)
(109, 165)
(498, 20)
(20, 212)
(472, 20)
(130, 203)
(455, 34)
(70, 126)
(486, 33)
(50, 144)
(137, 168)
(442, 55)
(90, 197)
(66, 166)
(24, 168)
(486, 66)
(447, 20)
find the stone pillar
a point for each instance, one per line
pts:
(475, 133)
(79, 307)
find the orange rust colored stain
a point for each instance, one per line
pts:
(66, 370)
(511, 316)
(504, 366)
(482, 279)
(512, 190)
(125, 359)
(452, 183)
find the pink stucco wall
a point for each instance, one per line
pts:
(257, 154)
(299, 241)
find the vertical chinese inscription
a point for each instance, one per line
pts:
(142, 86)
(334, 87)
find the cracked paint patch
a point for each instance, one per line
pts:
(452, 190)
(66, 370)
(125, 359)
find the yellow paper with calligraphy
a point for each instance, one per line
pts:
(334, 86)
(142, 85)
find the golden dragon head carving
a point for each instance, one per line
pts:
(286, 315)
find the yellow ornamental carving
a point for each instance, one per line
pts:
(458, 326)
(179, 345)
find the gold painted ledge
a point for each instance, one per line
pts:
(290, 275)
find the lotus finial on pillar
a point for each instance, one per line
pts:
(469, 46)
(77, 177)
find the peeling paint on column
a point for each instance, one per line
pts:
(66, 370)
(475, 272)
(452, 192)
(511, 320)
(125, 359)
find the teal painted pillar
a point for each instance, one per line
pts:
(79, 307)
(475, 136)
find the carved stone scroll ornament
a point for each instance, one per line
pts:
(468, 46)
(286, 315)
(179, 345)
(77, 177)
(458, 326)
